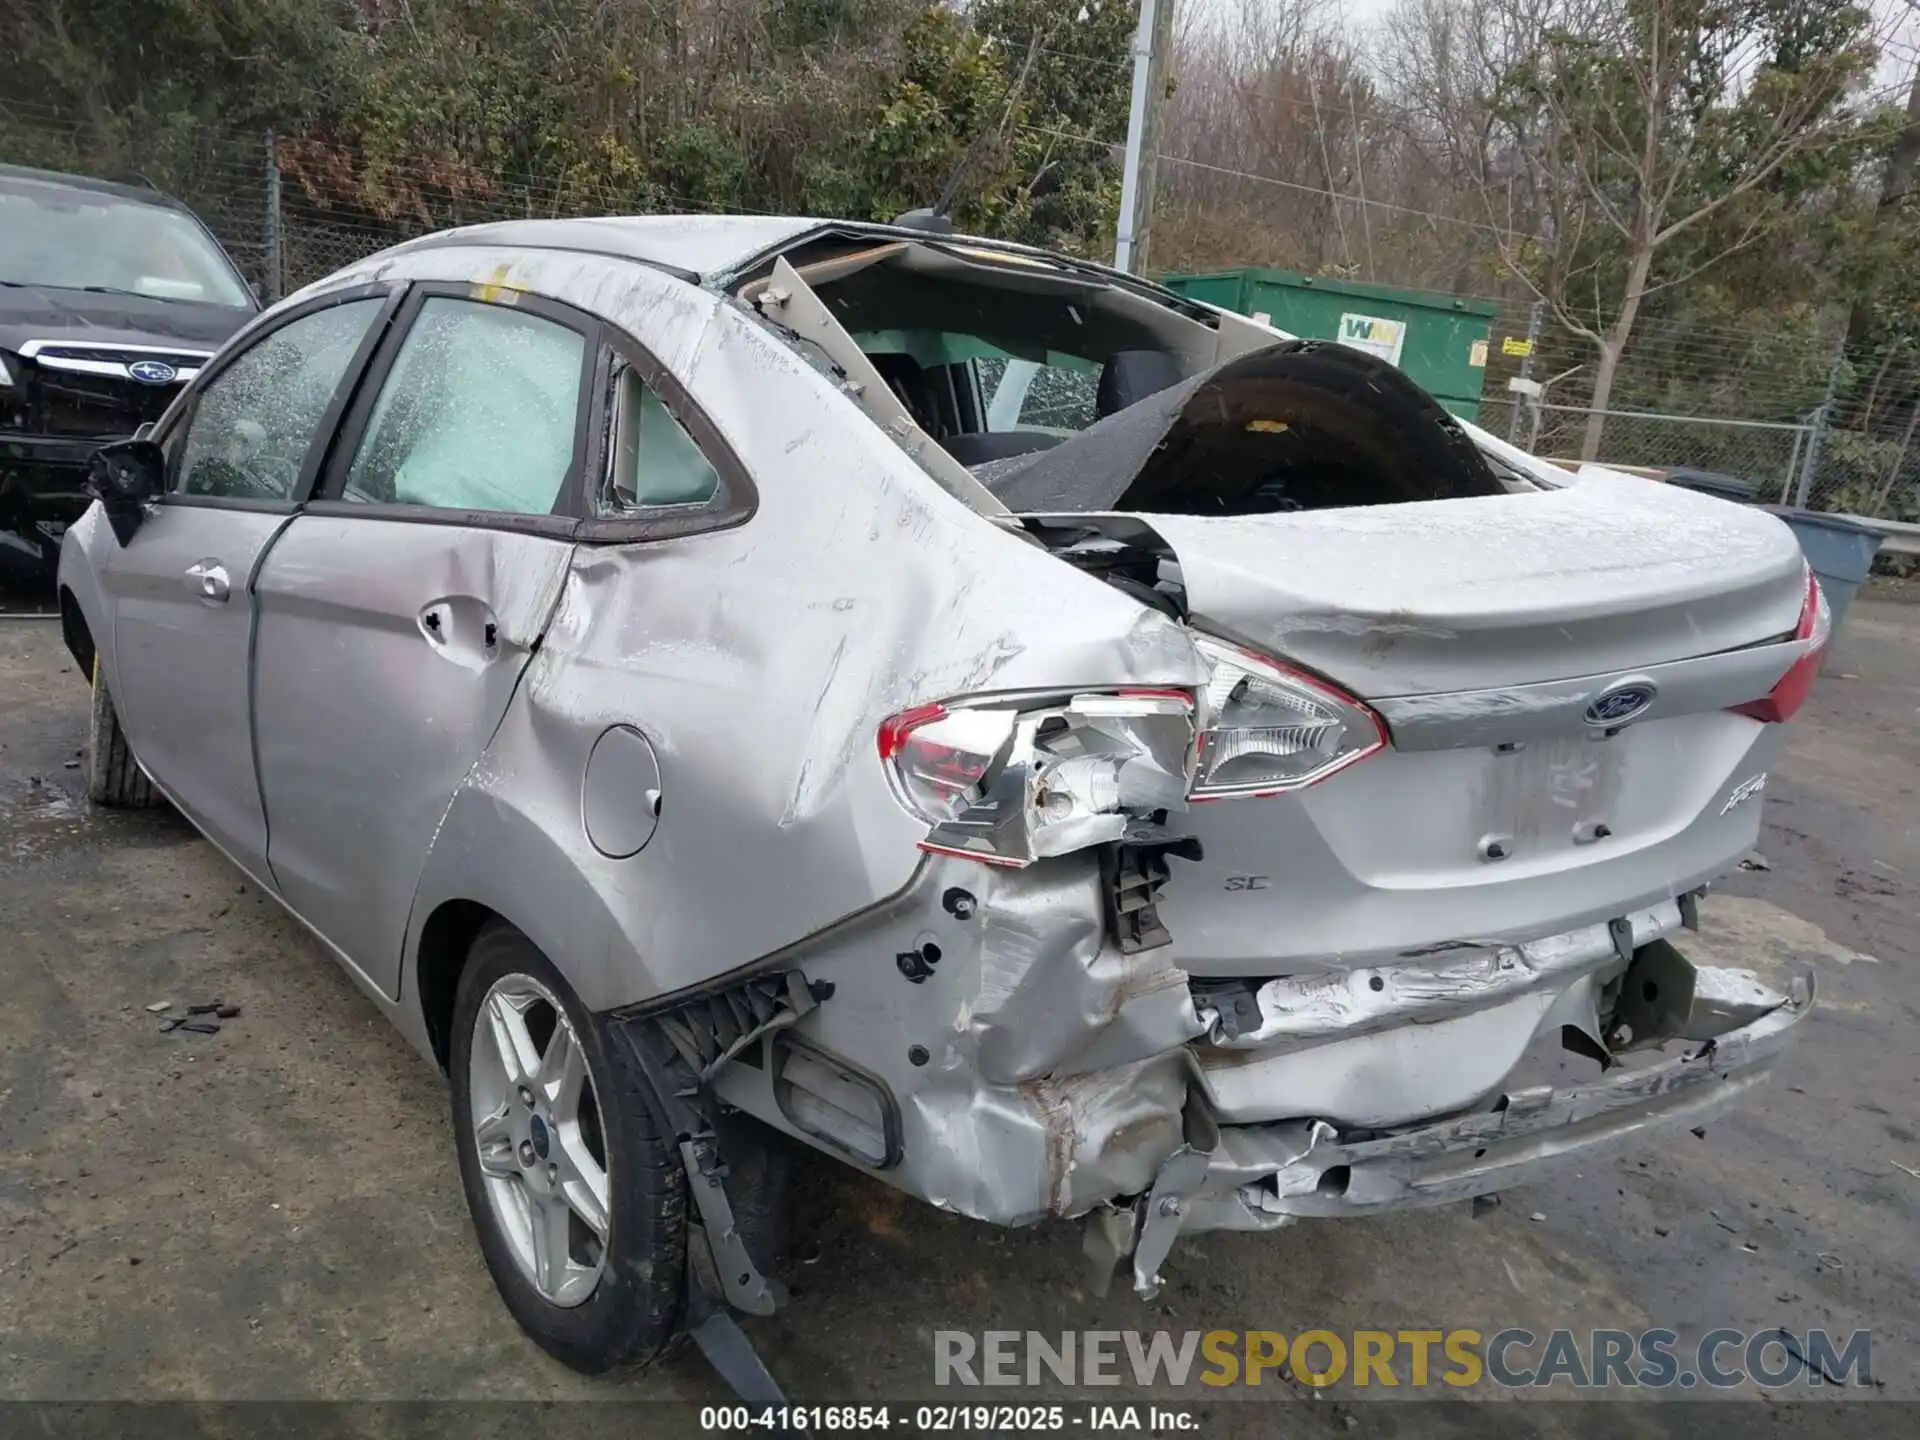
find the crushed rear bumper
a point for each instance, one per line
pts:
(1262, 1176)
(982, 1042)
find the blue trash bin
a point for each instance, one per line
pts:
(1840, 551)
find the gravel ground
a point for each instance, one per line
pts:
(273, 1213)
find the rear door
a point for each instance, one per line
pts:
(242, 456)
(398, 611)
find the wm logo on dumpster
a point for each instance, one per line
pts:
(1374, 334)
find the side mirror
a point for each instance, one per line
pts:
(125, 477)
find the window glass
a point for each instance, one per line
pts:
(253, 424)
(654, 460)
(1024, 395)
(477, 413)
(69, 237)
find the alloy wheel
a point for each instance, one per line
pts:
(537, 1131)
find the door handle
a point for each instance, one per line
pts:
(208, 579)
(463, 628)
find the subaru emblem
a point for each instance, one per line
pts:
(152, 372)
(1618, 704)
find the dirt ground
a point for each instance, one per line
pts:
(273, 1213)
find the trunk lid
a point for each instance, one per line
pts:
(1481, 630)
(1606, 575)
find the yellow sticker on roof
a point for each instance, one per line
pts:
(497, 289)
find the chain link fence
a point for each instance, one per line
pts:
(290, 209)
(1773, 402)
(1768, 455)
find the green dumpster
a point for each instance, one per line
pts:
(1439, 340)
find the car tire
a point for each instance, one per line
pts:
(114, 777)
(632, 1309)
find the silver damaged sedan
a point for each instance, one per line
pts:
(727, 685)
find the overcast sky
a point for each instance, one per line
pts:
(1896, 66)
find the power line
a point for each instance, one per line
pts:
(1270, 180)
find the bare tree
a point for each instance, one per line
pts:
(1632, 125)
(1274, 136)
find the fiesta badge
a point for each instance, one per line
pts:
(152, 372)
(1618, 704)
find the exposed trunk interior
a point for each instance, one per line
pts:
(1300, 425)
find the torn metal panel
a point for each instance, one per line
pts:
(1054, 1072)
(1383, 1078)
(1054, 996)
(1664, 994)
(1389, 1044)
(1301, 1009)
(1533, 1134)
(790, 301)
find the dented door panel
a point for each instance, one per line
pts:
(385, 655)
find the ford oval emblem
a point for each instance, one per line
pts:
(152, 372)
(1618, 704)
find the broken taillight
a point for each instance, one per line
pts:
(1011, 782)
(1270, 728)
(940, 758)
(1790, 693)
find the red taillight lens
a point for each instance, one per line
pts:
(939, 758)
(1790, 693)
(895, 729)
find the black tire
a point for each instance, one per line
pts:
(635, 1309)
(114, 777)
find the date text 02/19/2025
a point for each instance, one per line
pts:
(947, 1419)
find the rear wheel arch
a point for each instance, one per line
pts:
(446, 939)
(492, 855)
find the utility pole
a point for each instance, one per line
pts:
(1520, 392)
(274, 276)
(1152, 51)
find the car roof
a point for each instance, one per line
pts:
(701, 247)
(697, 245)
(144, 194)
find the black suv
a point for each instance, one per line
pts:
(111, 298)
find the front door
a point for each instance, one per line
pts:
(179, 590)
(398, 612)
